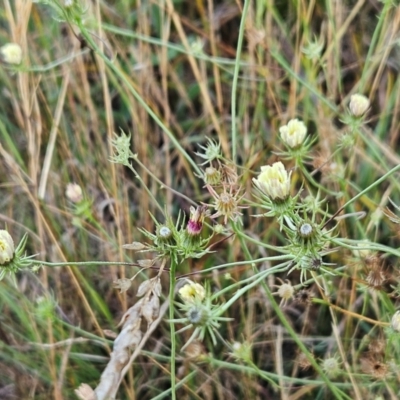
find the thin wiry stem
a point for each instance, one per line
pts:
(236, 76)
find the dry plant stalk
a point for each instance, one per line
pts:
(148, 307)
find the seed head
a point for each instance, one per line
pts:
(285, 292)
(306, 230)
(304, 296)
(226, 203)
(212, 176)
(376, 276)
(163, 232)
(303, 361)
(197, 314)
(372, 366)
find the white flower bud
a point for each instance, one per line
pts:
(6, 247)
(11, 53)
(73, 192)
(274, 181)
(293, 133)
(359, 104)
(395, 323)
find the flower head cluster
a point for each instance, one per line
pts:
(294, 133)
(179, 241)
(274, 182)
(227, 203)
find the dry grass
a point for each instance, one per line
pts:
(59, 113)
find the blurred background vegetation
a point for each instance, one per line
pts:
(58, 113)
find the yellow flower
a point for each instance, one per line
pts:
(11, 53)
(6, 247)
(293, 133)
(359, 104)
(192, 291)
(274, 181)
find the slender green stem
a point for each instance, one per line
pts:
(315, 183)
(137, 96)
(377, 182)
(172, 326)
(371, 58)
(85, 263)
(275, 270)
(187, 378)
(335, 390)
(239, 367)
(338, 393)
(236, 76)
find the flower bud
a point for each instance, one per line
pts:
(395, 323)
(11, 53)
(293, 133)
(73, 192)
(195, 223)
(212, 176)
(274, 181)
(331, 367)
(6, 247)
(359, 104)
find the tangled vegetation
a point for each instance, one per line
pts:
(200, 200)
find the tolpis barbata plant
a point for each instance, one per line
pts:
(200, 313)
(179, 241)
(13, 259)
